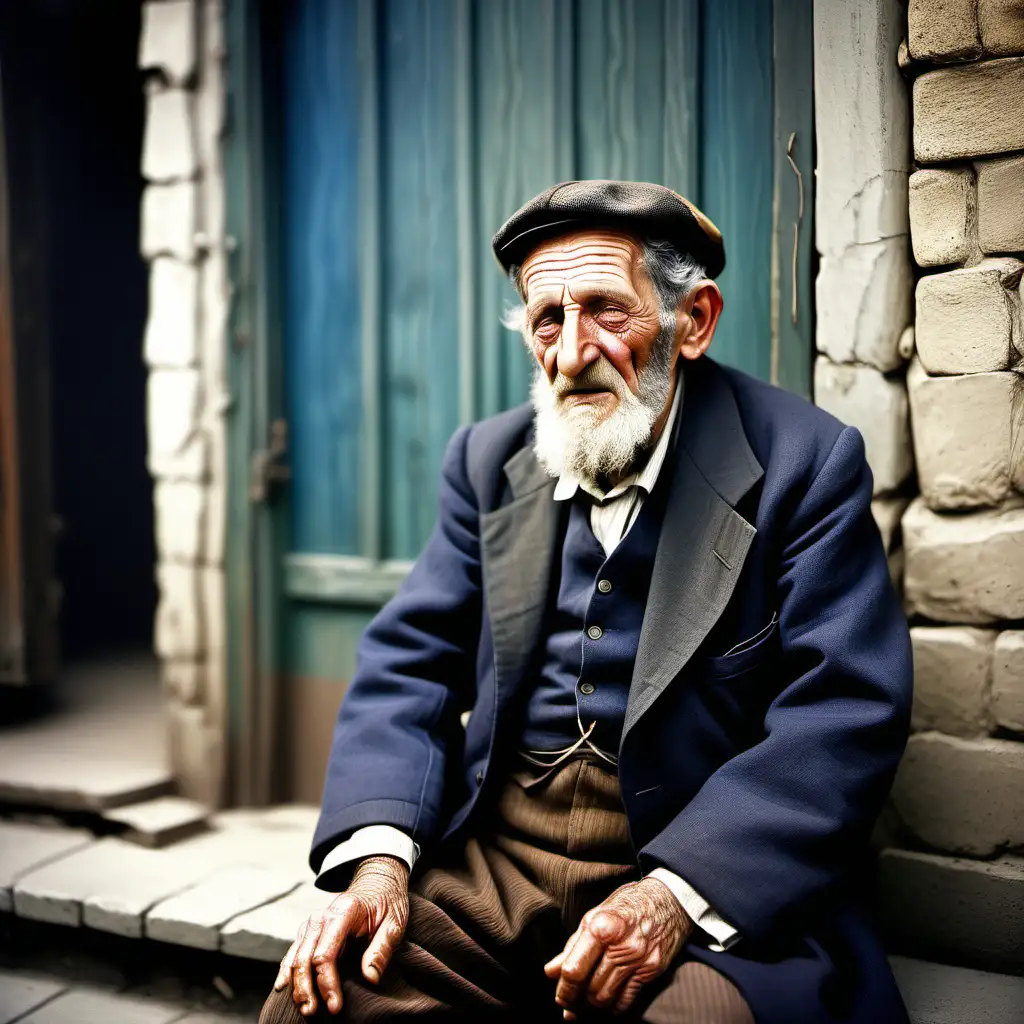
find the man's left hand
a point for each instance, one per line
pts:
(619, 947)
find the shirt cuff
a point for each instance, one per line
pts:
(372, 841)
(699, 910)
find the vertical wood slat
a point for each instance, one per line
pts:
(465, 191)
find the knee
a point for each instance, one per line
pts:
(280, 1008)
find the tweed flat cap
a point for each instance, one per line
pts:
(638, 207)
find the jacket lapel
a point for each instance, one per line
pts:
(517, 543)
(704, 540)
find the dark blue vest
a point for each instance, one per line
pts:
(594, 629)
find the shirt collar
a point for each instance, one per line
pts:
(645, 478)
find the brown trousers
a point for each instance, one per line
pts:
(483, 923)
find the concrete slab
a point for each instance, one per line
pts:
(20, 994)
(937, 994)
(160, 822)
(24, 847)
(195, 917)
(88, 1006)
(267, 932)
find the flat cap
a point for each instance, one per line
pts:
(638, 207)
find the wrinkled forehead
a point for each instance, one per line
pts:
(584, 258)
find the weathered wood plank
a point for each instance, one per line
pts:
(267, 932)
(20, 993)
(25, 847)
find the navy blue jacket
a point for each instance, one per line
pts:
(756, 776)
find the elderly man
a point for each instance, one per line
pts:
(659, 594)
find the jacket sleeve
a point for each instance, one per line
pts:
(414, 672)
(778, 825)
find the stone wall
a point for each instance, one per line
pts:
(958, 876)
(181, 52)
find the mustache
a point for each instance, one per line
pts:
(597, 376)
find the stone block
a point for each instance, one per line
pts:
(969, 111)
(24, 847)
(177, 448)
(864, 300)
(159, 822)
(196, 750)
(964, 569)
(179, 629)
(952, 679)
(266, 932)
(887, 513)
(1001, 25)
(171, 339)
(168, 39)
(962, 796)
(1008, 680)
(862, 397)
(862, 126)
(169, 221)
(180, 508)
(943, 30)
(967, 319)
(168, 148)
(1001, 204)
(954, 909)
(185, 681)
(963, 439)
(943, 219)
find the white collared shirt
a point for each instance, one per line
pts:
(611, 517)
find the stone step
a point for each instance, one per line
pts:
(25, 847)
(160, 822)
(937, 994)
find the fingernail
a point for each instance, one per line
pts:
(372, 974)
(332, 1003)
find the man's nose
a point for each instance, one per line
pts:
(575, 353)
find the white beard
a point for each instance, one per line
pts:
(587, 443)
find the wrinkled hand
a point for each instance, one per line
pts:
(619, 947)
(375, 906)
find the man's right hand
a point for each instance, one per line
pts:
(375, 906)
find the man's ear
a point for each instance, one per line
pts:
(697, 318)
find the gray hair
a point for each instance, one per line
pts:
(673, 274)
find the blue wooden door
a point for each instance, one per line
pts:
(411, 130)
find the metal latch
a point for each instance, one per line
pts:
(268, 467)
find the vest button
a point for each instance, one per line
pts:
(587, 688)
(605, 586)
(595, 632)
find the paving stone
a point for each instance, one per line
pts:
(171, 338)
(952, 679)
(1001, 204)
(267, 932)
(168, 38)
(89, 1006)
(24, 847)
(160, 822)
(20, 993)
(963, 438)
(969, 111)
(865, 300)
(964, 568)
(168, 225)
(967, 319)
(943, 30)
(862, 397)
(1008, 680)
(962, 796)
(195, 917)
(939, 994)
(180, 507)
(965, 910)
(168, 149)
(1001, 24)
(943, 217)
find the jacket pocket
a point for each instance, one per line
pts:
(747, 654)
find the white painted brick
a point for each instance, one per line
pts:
(1008, 680)
(943, 30)
(862, 397)
(864, 300)
(185, 681)
(942, 216)
(179, 628)
(962, 796)
(964, 568)
(169, 220)
(967, 319)
(168, 148)
(177, 448)
(171, 339)
(887, 513)
(180, 508)
(969, 111)
(1001, 204)
(962, 437)
(952, 679)
(168, 39)
(1001, 23)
